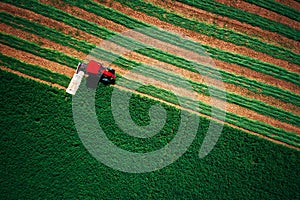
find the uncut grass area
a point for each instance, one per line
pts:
(43, 157)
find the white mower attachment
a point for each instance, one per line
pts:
(75, 81)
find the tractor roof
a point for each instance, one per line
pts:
(93, 67)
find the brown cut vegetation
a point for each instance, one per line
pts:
(242, 5)
(28, 58)
(225, 22)
(36, 60)
(291, 3)
(146, 60)
(132, 55)
(220, 64)
(45, 43)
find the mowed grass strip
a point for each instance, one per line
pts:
(251, 125)
(250, 84)
(241, 60)
(34, 70)
(244, 16)
(118, 17)
(206, 29)
(85, 47)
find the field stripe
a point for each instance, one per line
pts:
(35, 49)
(20, 73)
(210, 30)
(229, 57)
(232, 98)
(165, 102)
(263, 12)
(190, 12)
(290, 3)
(245, 123)
(228, 75)
(244, 16)
(251, 63)
(278, 8)
(86, 47)
(80, 35)
(85, 28)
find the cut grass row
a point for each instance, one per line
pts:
(228, 77)
(110, 14)
(251, 125)
(244, 16)
(250, 167)
(228, 57)
(278, 8)
(60, 38)
(200, 27)
(85, 47)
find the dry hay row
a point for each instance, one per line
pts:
(78, 34)
(210, 41)
(164, 46)
(263, 12)
(291, 3)
(62, 48)
(188, 11)
(206, 99)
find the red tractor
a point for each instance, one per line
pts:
(94, 72)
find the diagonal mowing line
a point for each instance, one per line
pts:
(53, 35)
(251, 125)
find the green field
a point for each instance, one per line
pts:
(46, 159)
(44, 156)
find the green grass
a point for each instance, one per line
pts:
(43, 157)
(243, 122)
(34, 70)
(35, 49)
